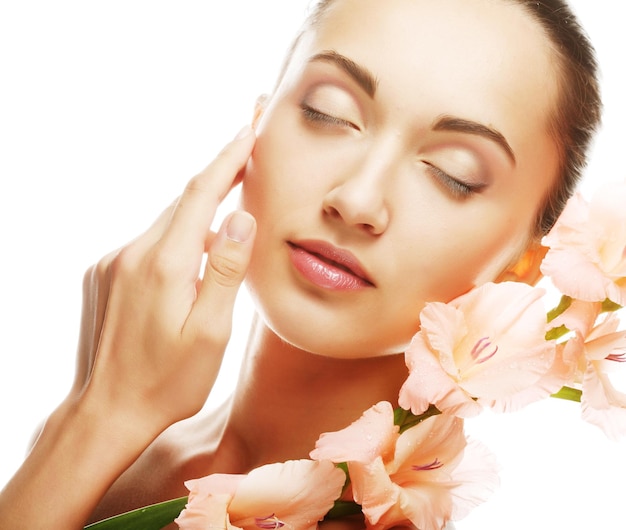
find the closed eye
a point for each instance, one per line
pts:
(457, 187)
(316, 116)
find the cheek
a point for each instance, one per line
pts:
(276, 174)
(449, 253)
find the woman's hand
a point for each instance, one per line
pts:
(153, 333)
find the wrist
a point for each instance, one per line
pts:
(82, 449)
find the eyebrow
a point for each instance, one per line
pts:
(368, 82)
(363, 77)
(452, 123)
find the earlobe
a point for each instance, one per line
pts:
(259, 109)
(527, 268)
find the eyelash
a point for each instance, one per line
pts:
(314, 115)
(458, 188)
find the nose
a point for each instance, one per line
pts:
(360, 199)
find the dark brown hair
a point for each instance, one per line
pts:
(578, 111)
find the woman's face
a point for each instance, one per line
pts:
(402, 159)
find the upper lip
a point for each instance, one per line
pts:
(336, 256)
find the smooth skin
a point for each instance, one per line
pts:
(382, 175)
(153, 335)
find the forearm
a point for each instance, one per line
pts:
(79, 454)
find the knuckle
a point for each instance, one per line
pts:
(100, 273)
(123, 262)
(199, 186)
(88, 278)
(225, 270)
(196, 183)
(163, 264)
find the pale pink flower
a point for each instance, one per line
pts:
(295, 495)
(425, 476)
(580, 317)
(485, 348)
(596, 350)
(587, 256)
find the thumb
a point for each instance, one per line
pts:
(227, 262)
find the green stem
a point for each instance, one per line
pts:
(405, 419)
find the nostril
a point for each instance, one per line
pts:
(366, 212)
(332, 212)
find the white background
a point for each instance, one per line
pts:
(107, 108)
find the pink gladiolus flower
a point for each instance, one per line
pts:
(485, 348)
(425, 476)
(587, 256)
(296, 494)
(596, 350)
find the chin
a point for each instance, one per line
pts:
(326, 337)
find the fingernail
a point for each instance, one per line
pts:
(245, 131)
(239, 227)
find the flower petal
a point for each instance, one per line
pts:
(476, 479)
(209, 498)
(374, 490)
(372, 435)
(427, 478)
(487, 344)
(298, 493)
(587, 256)
(429, 383)
(575, 275)
(602, 405)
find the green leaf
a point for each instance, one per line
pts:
(609, 306)
(343, 509)
(557, 333)
(153, 517)
(568, 393)
(565, 302)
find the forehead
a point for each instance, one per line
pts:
(480, 59)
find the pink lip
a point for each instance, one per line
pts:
(328, 266)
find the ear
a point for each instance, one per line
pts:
(259, 109)
(526, 268)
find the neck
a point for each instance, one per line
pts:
(287, 397)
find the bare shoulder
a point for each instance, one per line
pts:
(182, 452)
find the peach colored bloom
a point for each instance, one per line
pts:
(596, 350)
(425, 476)
(580, 317)
(295, 495)
(587, 256)
(485, 348)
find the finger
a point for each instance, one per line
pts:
(194, 213)
(96, 284)
(226, 266)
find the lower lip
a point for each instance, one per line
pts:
(324, 274)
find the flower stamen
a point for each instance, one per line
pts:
(617, 357)
(478, 351)
(271, 522)
(435, 464)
